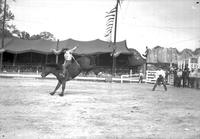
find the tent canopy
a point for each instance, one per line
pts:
(16, 45)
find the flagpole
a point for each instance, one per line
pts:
(115, 37)
(57, 49)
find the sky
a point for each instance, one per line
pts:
(166, 23)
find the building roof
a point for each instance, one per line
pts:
(135, 59)
(170, 55)
(16, 45)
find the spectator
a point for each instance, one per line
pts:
(192, 78)
(179, 77)
(196, 78)
(175, 77)
(141, 76)
(185, 75)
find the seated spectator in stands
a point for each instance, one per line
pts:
(160, 79)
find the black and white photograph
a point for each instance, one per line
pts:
(99, 69)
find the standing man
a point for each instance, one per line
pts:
(192, 76)
(175, 77)
(67, 57)
(160, 79)
(141, 76)
(179, 79)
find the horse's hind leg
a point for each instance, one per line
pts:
(57, 86)
(63, 88)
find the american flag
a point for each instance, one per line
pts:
(110, 16)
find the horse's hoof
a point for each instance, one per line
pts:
(61, 94)
(52, 93)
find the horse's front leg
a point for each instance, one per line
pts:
(63, 88)
(57, 86)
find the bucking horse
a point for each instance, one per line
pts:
(82, 64)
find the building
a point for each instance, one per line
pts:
(36, 53)
(166, 57)
(189, 58)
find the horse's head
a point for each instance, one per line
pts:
(51, 68)
(45, 71)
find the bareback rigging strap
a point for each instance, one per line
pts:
(75, 61)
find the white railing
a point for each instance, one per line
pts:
(151, 76)
(129, 78)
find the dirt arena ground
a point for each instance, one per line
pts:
(96, 110)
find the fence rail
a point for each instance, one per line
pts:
(30, 68)
(21, 68)
(129, 78)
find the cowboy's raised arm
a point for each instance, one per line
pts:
(73, 49)
(56, 51)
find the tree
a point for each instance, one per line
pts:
(23, 35)
(26, 36)
(35, 37)
(43, 35)
(7, 33)
(47, 35)
(8, 17)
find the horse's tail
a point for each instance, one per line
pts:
(85, 62)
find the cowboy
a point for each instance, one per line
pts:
(160, 79)
(67, 57)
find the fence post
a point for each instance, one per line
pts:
(37, 72)
(121, 78)
(131, 72)
(130, 76)
(18, 69)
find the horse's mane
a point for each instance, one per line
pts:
(57, 66)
